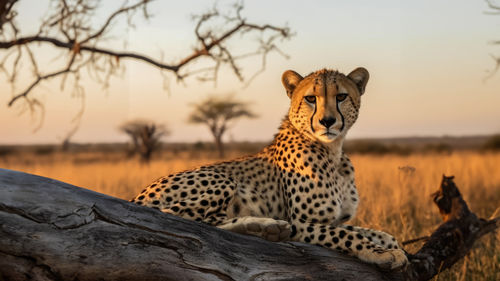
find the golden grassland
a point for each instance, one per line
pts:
(395, 190)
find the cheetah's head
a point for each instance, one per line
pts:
(325, 104)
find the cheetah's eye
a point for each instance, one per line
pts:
(341, 97)
(310, 99)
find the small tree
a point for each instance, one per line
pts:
(145, 137)
(217, 113)
(492, 143)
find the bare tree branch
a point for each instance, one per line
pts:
(69, 26)
(40, 79)
(494, 10)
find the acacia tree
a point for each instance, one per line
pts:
(145, 136)
(217, 113)
(78, 29)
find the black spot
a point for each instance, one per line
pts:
(321, 237)
(348, 244)
(190, 182)
(342, 234)
(204, 202)
(204, 182)
(141, 197)
(151, 195)
(335, 240)
(294, 231)
(175, 187)
(236, 209)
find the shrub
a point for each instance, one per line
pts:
(492, 143)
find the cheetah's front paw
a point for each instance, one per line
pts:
(269, 229)
(385, 259)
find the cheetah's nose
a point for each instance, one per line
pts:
(327, 122)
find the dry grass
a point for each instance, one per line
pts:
(395, 190)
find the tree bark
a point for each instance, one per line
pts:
(51, 230)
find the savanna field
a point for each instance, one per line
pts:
(395, 189)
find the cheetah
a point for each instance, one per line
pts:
(300, 187)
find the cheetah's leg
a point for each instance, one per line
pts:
(267, 228)
(378, 237)
(212, 214)
(350, 242)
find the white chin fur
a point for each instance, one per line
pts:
(327, 137)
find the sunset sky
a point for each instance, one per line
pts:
(427, 59)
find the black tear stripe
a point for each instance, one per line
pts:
(312, 116)
(341, 116)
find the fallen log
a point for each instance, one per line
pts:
(50, 230)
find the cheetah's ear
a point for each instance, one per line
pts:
(360, 76)
(290, 80)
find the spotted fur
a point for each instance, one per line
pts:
(301, 187)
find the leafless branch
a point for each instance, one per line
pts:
(40, 79)
(494, 10)
(492, 72)
(69, 26)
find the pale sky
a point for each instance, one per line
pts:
(427, 62)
